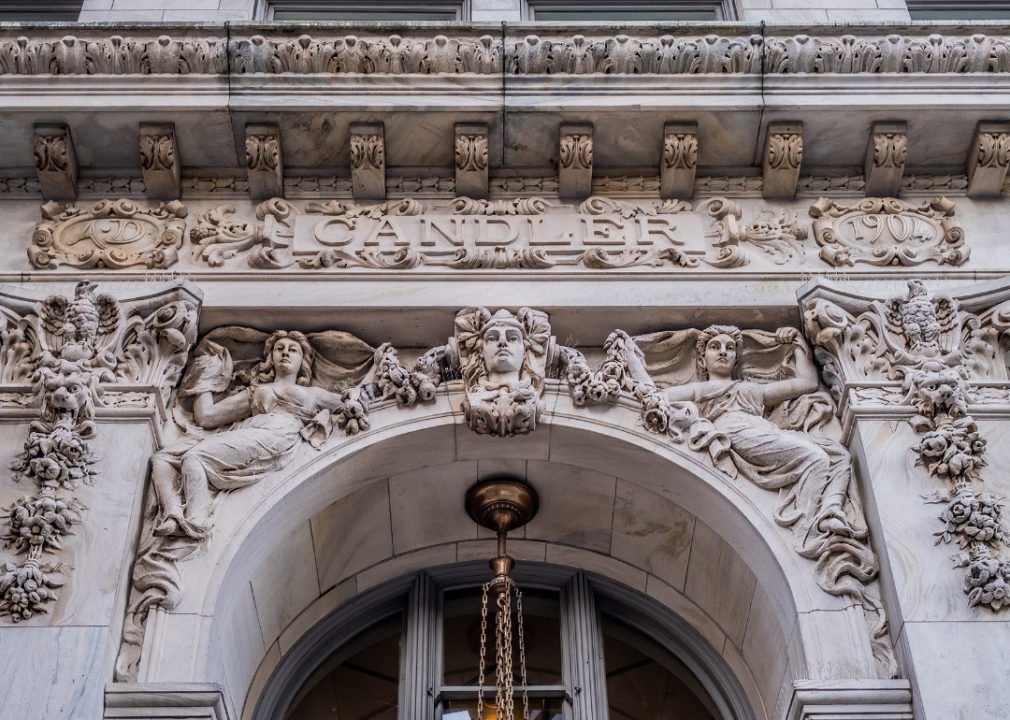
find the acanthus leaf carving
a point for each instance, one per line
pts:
(680, 151)
(157, 152)
(471, 152)
(777, 234)
(576, 152)
(113, 234)
(887, 231)
(262, 152)
(785, 152)
(367, 151)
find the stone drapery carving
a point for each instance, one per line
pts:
(147, 52)
(503, 360)
(267, 407)
(113, 234)
(751, 401)
(247, 403)
(935, 348)
(887, 231)
(68, 347)
(471, 152)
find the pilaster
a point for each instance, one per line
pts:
(82, 406)
(924, 401)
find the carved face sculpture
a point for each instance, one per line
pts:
(720, 355)
(503, 349)
(287, 356)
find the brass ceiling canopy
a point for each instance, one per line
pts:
(502, 504)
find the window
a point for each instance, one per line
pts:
(40, 10)
(362, 10)
(359, 682)
(632, 11)
(426, 656)
(959, 9)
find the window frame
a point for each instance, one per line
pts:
(265, 9)
(418, 595)
(956, 6)
(724, 9)
(44, 10)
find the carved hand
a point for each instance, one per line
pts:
(786, 335)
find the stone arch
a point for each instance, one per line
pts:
(285, 553)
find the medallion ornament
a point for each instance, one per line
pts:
(111, 234)
(887, 231)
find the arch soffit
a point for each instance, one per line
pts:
(615, 444)
(436, 435)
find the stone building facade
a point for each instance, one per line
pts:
(720, 281)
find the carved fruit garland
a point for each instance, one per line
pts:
(951, 450)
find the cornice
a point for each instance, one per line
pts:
(492, 49)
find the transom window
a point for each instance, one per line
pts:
(40, 10)
(959, 9)
(631, 11)
(574, 654)
(364, 10)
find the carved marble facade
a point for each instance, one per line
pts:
(261, 329)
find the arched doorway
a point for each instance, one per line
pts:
(617, 504)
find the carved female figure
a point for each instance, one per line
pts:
(502, 359)
(811, 471)
(274, 414)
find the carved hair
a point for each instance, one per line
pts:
(710, 332)
(265, 371)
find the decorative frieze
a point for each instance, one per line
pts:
(575, 160)
(152, 52)
(56, 162)
(680, 160)
(117, 235)
(988, 159)
(159, 161)
(473, 234)
(885, 159)
(887, 231)
(471, 160)
(264, 162)
(368, 161)
(782, 159)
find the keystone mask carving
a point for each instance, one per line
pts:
(503, 359)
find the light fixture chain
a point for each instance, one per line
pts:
(522, 652)
(483, 649)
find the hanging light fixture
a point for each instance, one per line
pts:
(502, 505)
